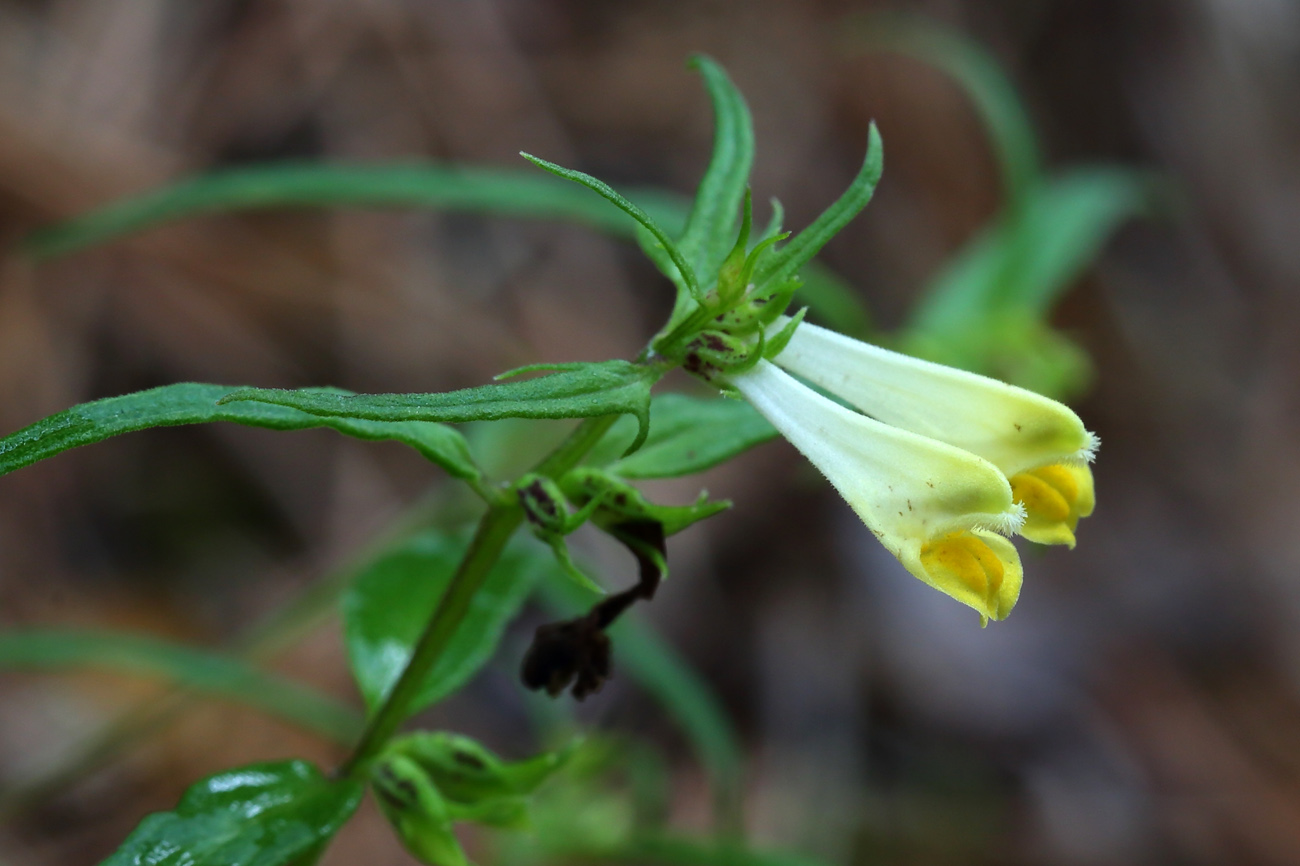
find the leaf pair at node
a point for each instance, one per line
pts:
(427, 782)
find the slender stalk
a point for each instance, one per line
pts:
(493, 533)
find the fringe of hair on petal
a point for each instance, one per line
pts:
(1086, 454)
(1007, 522)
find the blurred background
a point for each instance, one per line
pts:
(1142, 706)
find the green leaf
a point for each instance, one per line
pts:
(193, 403)
(786, 262)
(711, 226)
(673, 850)
(579, 391)
(466, 772)
(979, 73)
(501, 192)
(619, 502)
(205, 671)
(388, 607)
(259, 815)
(1024, 262)
(662, 672)
(607, 192)
(417, 811)
(687, 435)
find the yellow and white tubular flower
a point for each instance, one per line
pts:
(1040, 445)
(936, 507)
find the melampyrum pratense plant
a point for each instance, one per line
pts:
(942, 466)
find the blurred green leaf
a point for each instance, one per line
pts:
(193, 403)
(673, 850)
(786, 261)
(500, 192)
(1014, 348)
(711, 227)
(391, 601)
(259, 815)
(575, 391)
(687, 435)
(1025, 261)
(980, 75)
(495, 192)
(203, 670)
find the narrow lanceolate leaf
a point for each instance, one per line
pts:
(605, 191)
(388, 607)
(204, 671)
(786, 262)
(711, 227)
(578, 391)
(689, 435)
(259, 815)
(473, 189)
(193, 403)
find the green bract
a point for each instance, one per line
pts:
(426, 782)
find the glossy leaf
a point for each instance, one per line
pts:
(687, 435)
(387, 608)
(193, 403)
(575, 391)
(786, 261)
(711, 227)
(259, 815)
(205, 671)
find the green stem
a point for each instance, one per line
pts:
(493, 533)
